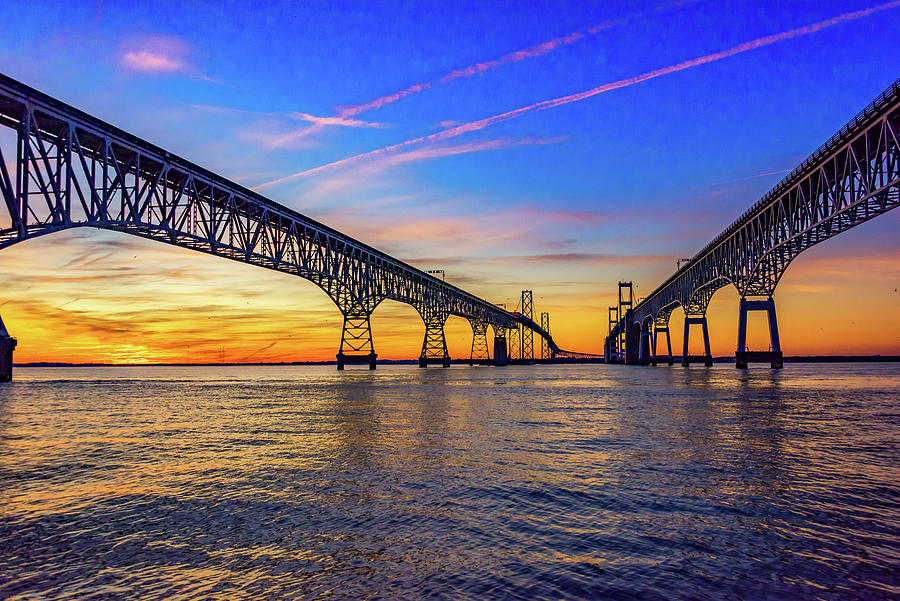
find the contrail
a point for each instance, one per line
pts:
(477, 68)
(459, 130)
(512, 57)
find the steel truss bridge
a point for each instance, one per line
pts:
(74, 170)
(852, 178)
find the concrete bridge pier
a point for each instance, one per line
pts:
(609, 350)
(501, 352)
(644, 351)
(434, 347)
(656, 359)
(773, 356)
(356, 341)
(632, 340)
(706, 358)
(7, 345)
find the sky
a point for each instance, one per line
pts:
(552, 146)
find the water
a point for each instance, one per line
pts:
(564, 482)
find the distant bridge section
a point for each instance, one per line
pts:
(852, 178)
(74, 170)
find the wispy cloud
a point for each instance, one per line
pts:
(567, 258)
(387, 157)
(159, 55)
(340, 121)
(622, 83)
(417, 231)
(288, 138)
(145, 60)
(435, 152)
(749, 177)
(279, 130)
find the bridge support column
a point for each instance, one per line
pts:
(657, 330)
(434, 347)
(356, 341)
(644, 352)
(686, 358)
(501, 354)
(480, 353)
(773, 356)
(7, 345)
(632, 341)
(611, 354)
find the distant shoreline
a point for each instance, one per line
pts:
(794, 359)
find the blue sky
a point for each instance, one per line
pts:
(648, 172)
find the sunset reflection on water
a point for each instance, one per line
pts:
(524, 482)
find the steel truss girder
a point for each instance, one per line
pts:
(73, 170)
(852, 178)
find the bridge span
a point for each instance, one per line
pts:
(852, 178)
(74, 170)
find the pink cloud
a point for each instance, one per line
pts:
(622, 83)
(340, 121)
(156, 54)
(148, 61)
(281, 139)
(415, 232)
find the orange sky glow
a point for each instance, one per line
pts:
(91, 296)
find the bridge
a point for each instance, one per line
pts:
(852, 178)
(74, 170)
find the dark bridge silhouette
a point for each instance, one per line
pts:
(74, 170)
(852, 178)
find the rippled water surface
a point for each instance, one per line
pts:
(544, 482)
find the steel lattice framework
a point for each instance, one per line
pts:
(545, 345)
(74, 170)
(850, 179)
(527, 334)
